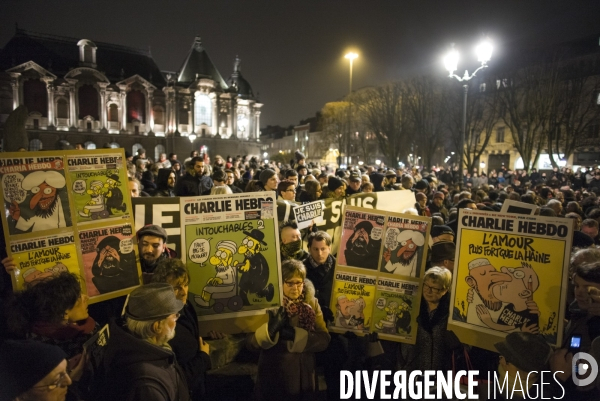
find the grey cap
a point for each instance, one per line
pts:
(153, 301)
(528, 352)
(152, 230)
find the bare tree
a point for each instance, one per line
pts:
(384, 112)
(527, 97)
(427, 99)
(336, 126)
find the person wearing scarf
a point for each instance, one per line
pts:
(291, 242)
(288, 341)
(54, 311)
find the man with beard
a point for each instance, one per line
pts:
(361, 249)
(254, 269)
(482, 278)
(405, 260)
(113, 270)
(45, 202)
(152, 245)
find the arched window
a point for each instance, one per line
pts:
(62, 108)
(35, 96)
(203, 110)
(35, 144)
(158, 149)
(134, 149)
(88, 101)
(136, 106)
(114, 145)
(113, 113)
(89, 145)
(159, 115)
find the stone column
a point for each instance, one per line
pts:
(16, 87)
(50, 93)
(257, 124)
(214, 115)
(103, 114)
(72, 105)
(191, 104)
(123, 98)
(149, 111)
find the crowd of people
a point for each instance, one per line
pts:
(155, 351)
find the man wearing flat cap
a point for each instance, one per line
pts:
(45, 202)
(152, 244)
(140, 363)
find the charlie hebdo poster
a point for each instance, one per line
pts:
(230, 245)
(377, 285)
(48, 197)
(506, 266)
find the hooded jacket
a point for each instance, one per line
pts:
(136, 370)
(162, 188)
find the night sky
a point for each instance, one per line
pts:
(292, 51)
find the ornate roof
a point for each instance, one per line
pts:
(238, 82)
(198, 65)
(59, 54)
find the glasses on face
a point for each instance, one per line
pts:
(60, 382)
(432, 289)
(294, 283)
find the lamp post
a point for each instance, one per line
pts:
(484, 54)
(350, 56)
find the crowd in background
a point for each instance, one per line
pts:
(155, 351)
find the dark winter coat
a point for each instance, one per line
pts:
(186, 347)
(191, 185)
(286, 369)
(322, 278)
(136, 370)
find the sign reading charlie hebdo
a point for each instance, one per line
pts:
(377, 285)
(48, 197)
(230, 245)
(506, 266)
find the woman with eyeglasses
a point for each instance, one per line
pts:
(286, 190)
(312, 192)
(32, 371)
(189, 348)
(286, 366)
(433, 348)
(54, 310)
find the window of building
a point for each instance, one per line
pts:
(114, 145)
(136, 106)
(35, 96)
(62, 108)
(35, 144)
(113, 113)
(89, 101)
(135, 148)
(89, 145)
(203, 110)
(158, 149)
(159, 115)
(500, 135)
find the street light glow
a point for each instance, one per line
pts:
(451, 60)
(484, 51)
(351, 56)
(192, 137)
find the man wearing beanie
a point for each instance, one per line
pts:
(268, 179)
(442, 254)
(140, 363)
(335, 188)
(31, 370)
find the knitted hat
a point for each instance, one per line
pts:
(334, 183)
(152, 230)
(436, 231)
(25, 363)
(266, 175)
(422, 184)
(420, 196)
(153, 301)
(528, 352)
(439, 194)
(444, 250)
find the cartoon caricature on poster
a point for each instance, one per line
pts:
(35, 194)
(403, 252)
(97, 186)
(43, 257)
(360, 245)
(352, 301)
(396, 309)
(230, 247)
(109, 259)
(506, 265)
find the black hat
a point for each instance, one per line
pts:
(257, 235)
(154, 301)
(355, 177)
(582, 240)
(115, 177)
(365, 225)
(111, 241)
(152, 230)
(299, 155)
(24, 363)
(422, 184)
(528, 352)
(436, 231)
(334, 183)
(444, 250)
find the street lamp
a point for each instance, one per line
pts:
(484, 54)
(350, 56)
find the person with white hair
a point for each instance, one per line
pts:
(45, 203)
(405, 260)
